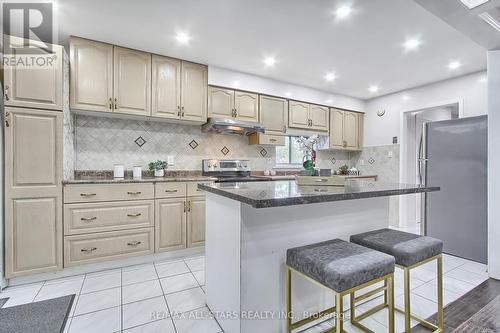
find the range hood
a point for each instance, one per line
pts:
(232, 126)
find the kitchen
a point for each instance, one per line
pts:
(129, 163)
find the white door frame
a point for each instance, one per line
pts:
(407, 203)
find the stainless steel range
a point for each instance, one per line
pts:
(230, 171)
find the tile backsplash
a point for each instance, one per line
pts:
(102, 142)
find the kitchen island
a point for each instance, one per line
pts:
(249, 227)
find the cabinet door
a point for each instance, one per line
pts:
(273, 114)
(91, 75)
(319, 117)
(336, 128)
(220, 102)
(351, 130)
(166, 87)
(298, 115)
(196, 222)
(246, 106)
(361, 130)
(132, 81)
(170, 231)
(34, 87)
(194, 92)
(33, 193)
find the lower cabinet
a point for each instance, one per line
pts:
(196, 222)
(170, 221)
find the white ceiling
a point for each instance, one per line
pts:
(304, 36)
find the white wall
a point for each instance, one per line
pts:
(494, 164)
(469, 89)
(237, 80)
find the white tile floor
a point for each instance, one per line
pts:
(142, 298)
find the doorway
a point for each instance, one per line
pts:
(412, 143)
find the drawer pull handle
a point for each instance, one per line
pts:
(134, 243)
(89, 218)
(134, 215)
(134, 193)
(87, 194)
(89, 250)
(321, 180)
(272, 140)
(320, 190)
(171, 191)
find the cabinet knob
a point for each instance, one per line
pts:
(284, 128)
(116, 104)
(7, 119)
(110, 103)
(89, 250)
(7, 93)
(134, 243)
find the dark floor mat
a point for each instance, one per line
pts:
(40, 317)
(485, 321)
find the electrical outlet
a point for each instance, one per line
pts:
(389, 154)
(361, 162)
(170, 160)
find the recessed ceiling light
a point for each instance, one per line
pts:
(412, 44)
(405, 97)
(269, 61)
(454, 65)
(288, 94)
(329, 77)
(329, 101)
(373, 89)
(483, 79)
(343, 12)
(182, 38)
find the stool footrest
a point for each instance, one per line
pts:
(370, 293)
(424, 322)
(313, 317)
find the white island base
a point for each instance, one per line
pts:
(246, 255)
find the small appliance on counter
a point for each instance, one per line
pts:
(230, 171)
(119, 171)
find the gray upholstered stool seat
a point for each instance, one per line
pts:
(408, 249)
(340, 265)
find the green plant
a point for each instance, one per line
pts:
(157, 165)
(343, 170)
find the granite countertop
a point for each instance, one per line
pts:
(110, 180)
(288, 193)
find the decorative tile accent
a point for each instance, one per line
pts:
(333, 160)
(225, 150)
(263, 152)
(371, 160)
(193, 144)
(140, 141)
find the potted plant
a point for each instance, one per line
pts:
(158, 167)
(344, 170)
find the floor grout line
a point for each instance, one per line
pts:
(165, 299)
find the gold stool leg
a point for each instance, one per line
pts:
(352, 306)
(407, 300)
(440, 293)
(288, 300)
(339, 312)
(389, 297)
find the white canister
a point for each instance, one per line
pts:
(137, 172)
(119, 171)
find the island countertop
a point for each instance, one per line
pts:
(288, 193)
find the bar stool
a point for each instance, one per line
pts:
(410, 251)
(343, 268)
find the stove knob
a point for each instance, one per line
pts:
(215, 165)
(209, 165)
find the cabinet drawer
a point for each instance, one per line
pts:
(109, 192)
(266, 139)
(91, 248)
(170, 190)
(107, 216)
(194, 191)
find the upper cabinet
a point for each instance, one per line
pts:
(228, 103)
(346, 130)
(38, 87)
(131, 81)
(179, 89)
(308, 116)
(273, 114)
(91, 75)
(109, 78)
(194, 81)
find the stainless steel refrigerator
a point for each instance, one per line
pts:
(454, 157)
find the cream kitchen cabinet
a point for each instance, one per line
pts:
(196, 221)
(228, 103)
(179, 90)
(170, 224)
(33, 193)
(91, 75)
(346, 130)
(273, 114)
(34, 87)
(308, 116)
(131, 81)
